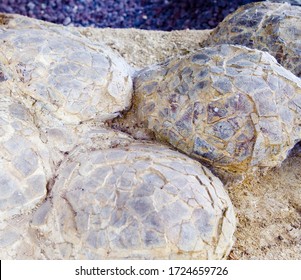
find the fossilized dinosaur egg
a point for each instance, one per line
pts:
(66, 75)
(141, 201)
(271, 27)
(24, 159)
(232, 106)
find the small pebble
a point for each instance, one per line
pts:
(31, 5)
(67, 21)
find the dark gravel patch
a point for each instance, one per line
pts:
(143, 14)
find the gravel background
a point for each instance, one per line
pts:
(143, 14)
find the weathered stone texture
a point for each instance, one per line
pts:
(66, 75)
(229, 105)
(142, 201)
(271, 27)
(24, 159)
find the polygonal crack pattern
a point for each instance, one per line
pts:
(142, 201)
(65, 75)
(231, 106)
(271, 27)
(24, 159)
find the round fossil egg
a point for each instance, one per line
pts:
(231, 106)
(271, 27)
(66, 75)
(142, 201)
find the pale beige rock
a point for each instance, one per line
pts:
(62, 139)
(292, 2)
(141, 201)
(16, 241)
(68, 82)
(138, 47)
(65, 75)
(24, 159)
(25, 169)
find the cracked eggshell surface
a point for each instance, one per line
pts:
(271, 27)
(67, 76)
(16, 240)
(231, 106)
(141, 201)
(24, 159)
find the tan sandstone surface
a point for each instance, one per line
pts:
(268, 206)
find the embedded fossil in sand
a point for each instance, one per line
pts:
(95, 193)
(271, 27)
(232, 106)
(140, 201)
